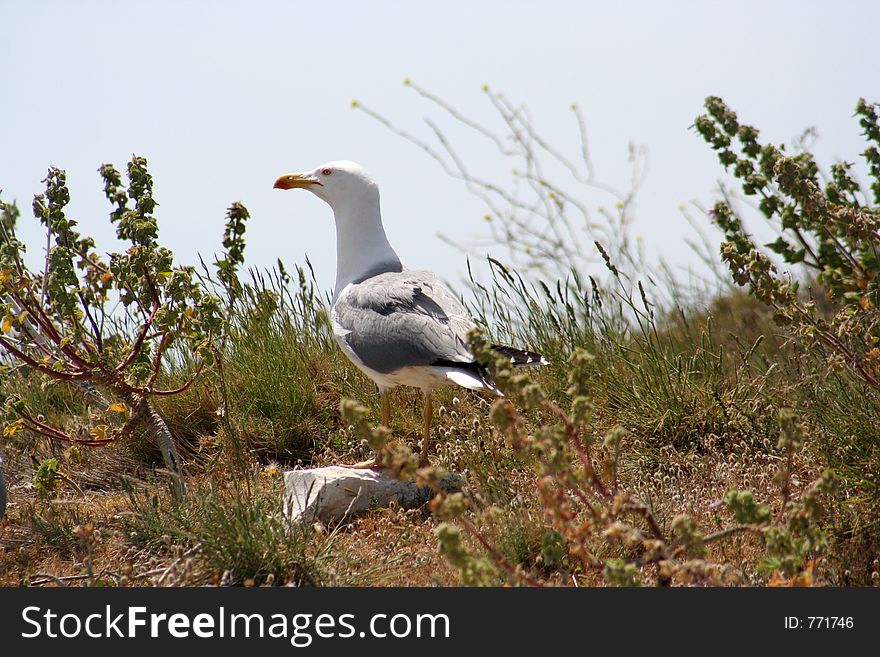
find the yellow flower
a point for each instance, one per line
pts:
(12, 428)
(99, 432)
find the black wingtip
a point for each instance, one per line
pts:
(520, 357)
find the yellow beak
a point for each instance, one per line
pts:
(296, 180)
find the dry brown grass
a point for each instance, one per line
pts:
(392, 547)
(388, 547)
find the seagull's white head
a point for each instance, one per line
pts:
(337, 183)
(362, 249)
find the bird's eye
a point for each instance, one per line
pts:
(327, 172)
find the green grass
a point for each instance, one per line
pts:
(54, 525)
(283, 374)
(238, 534)
(698, 387)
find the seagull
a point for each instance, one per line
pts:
(399, 326)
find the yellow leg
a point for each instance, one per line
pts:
(426, 434)
(386, 421)
(386, 408)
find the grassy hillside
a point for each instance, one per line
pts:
(699, 396)
(719, 438)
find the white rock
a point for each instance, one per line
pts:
(335, 493)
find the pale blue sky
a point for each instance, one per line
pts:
(223, 97)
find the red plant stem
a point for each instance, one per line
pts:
(56, 434)
(186, 385)
(645, 512)
(48, 326)
(136, 348)
(852, 359)
(581, 450)
(40, 317)
(786, 482)
(38, 343)
(157, 360)
(841, 348)
(500, 560)
(729, 531)
(45, 429)
(584, 455)
(95, 332)
(95, 443)
(582, 496)
(66, 376)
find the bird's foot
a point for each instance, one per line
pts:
(372, 464)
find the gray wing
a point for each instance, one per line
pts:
(403, 318)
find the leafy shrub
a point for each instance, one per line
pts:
(829, 228)
(62, 322)
(605, 527)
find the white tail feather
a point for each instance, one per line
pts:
(469, 380)
(465, 379)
